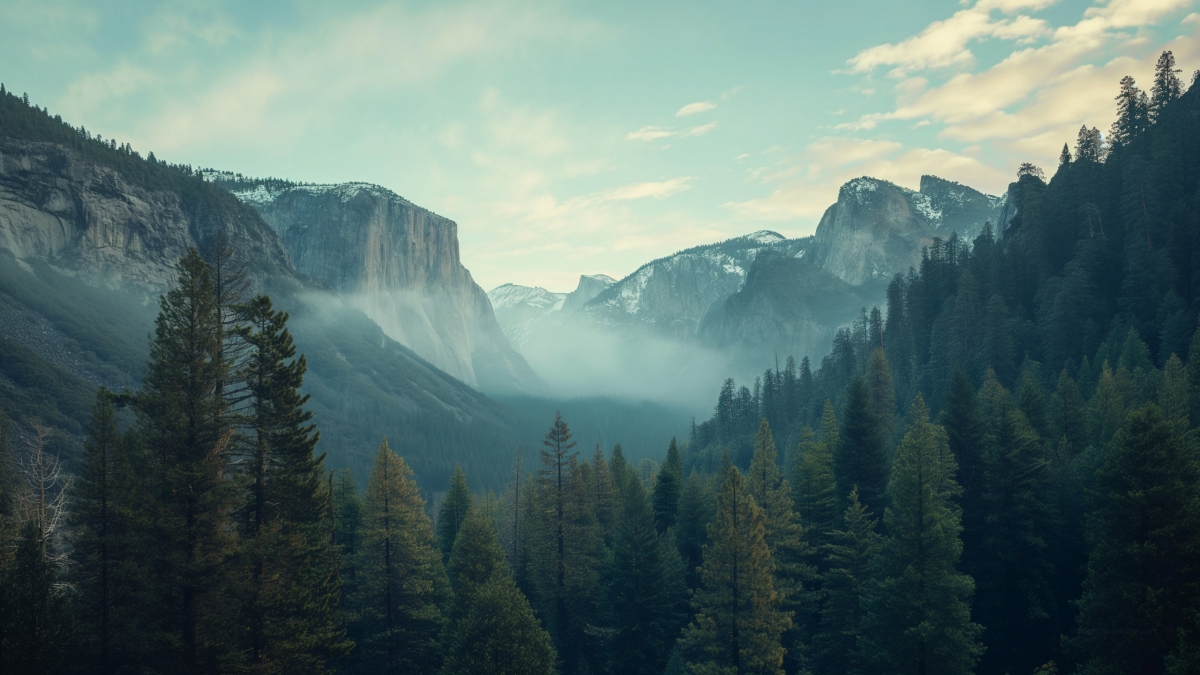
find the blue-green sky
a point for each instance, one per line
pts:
(585, 137)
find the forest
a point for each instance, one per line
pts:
(998, 472)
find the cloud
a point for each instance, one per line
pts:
(655, 133)
(944, 43)
(656, 190)
(695, 108)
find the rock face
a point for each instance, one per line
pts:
(670, 296)
(590, 285)
(524, 310)
(400, 264)
(877, 228)
(91, 219)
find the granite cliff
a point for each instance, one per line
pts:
(399, 264)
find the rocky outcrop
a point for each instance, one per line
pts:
(589, 286)
(878, 228)
(670, 296)
(91, 219)
(787, 307)
(400, 264)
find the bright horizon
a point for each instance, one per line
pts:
(566, 138)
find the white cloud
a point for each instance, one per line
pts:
(655, 133)
(944, 43)
(655, 190)
(649, 134)
(695, 108)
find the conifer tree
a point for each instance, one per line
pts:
(38, 616)
(183, 424)
(1014, 598)
(964, 434)
(1068, 417)
(788, 543)
(101, 519)
(1141, 587)
(1167, 86)
(491, 628)
(604, 495)
(697, 509)
(455, 507)
(883, 394)
(1107, 407)
(738, 622)
(860, 459)
(1064, 157)
(848, 563)
(828, 431)
(402, 585)
(815, 487)
(1173, 395)
(919, 606)
(667, 487)
(294, 576)
(346, 527)
(643, 593)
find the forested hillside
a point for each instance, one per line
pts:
(996, 473)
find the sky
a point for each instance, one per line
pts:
(570, 138)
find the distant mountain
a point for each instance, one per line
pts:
(398, 263)
(521, 310)
(878, 228)
(670, 296)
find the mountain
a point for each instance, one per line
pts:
(670, 296)
(399, 264)
(878, 228)
(522, 310)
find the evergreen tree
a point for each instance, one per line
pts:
(828, 431)
(101, 519)
(402, 585)
(1143, 575)
(499, 636)
(1064, 157)
(294, 575)
(455, 507)
(961, 418)
(883, 394)
(1068, 418)
(786, 540)
(476, 557)
(860, 459)
(848, 563)
(919, 606)
(738, 622)
(1167, 86)
(38, 615)
(667, 488)
(1173, 395)
(1133, 116)
(183, 424)
(604, 495)
(696, 510)
(816, 488)
(643, 595)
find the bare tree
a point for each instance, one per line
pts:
(45, 500)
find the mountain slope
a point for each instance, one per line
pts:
(397, 262)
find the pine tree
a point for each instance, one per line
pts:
(38, 615)
(1132, 114)
(860, 459)
(964, 432)
(402, 585)
(919, 606)
(604, 495)
(697, 509)
(666, 489)
(1167, 86)
(185, 430)
(455, 507)
(101, 519)
(643, 596)
(476, 557)
(786, 540)
(346, 528)
(828, 431)
(1107, 408)
(1173, 395)
(1014, 599)
(738, 622)
(500, 636)
(848, 563)
(1068, 417)
(883, 394)
(1064, 157)
(294, 576)
(1142, 583)
(816, 488)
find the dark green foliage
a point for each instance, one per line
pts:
(500, 636)
(697, 508)
(644, 591)
(848, 570)
(666, 489)
(919, 606)
(860, 460)
(455, 507)
(815, 488)
(1143, 580)
(37, 617)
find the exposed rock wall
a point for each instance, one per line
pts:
(400, 264)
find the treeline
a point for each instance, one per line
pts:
(1062, 361)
